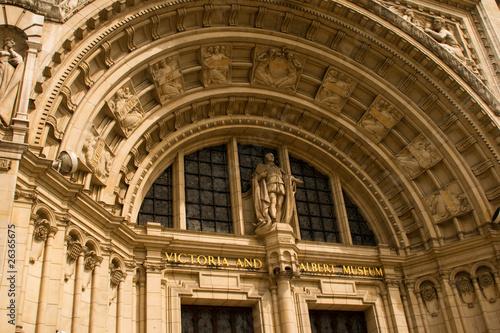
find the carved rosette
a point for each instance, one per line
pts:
(216, 65)
(126, 109)
(448, 202)
(485, 280)
(335, 89)
(41, 230)
(278, 68)
(90, 260)
(419, 155)
(429, 294)
(380, 118)
(167, 77)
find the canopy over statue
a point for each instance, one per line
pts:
(273, 193)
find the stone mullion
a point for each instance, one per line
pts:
(454, 315)
(340, 210)
(235, 188)
(179, 195)
(44, 282)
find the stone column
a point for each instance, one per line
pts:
(41, 231)
(153, 298)
(94, 299)
(285, 302)
(274, 296)
(450, 304)
(77, 295)
(119, 305)
(394, 301)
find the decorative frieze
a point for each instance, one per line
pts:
(216, 65)
(448, 202)
(126, 109)
(335, 89)
(419, 155)
(167, 77)
(380, 118)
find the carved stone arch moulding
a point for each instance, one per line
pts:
(102, 38)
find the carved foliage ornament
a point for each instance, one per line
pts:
(126, 109)
(41, 230)
(276, 68)
(167, 77)
(380, 118)
(216, 65)
(90, 260)
(428, 293)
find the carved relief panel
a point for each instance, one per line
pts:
(97, 155)
(276, 68)
(380, 118)
(448, 202)
(336, 88)
(419, 155)
(167, 77)
(126, 109)
(216, 65)
(430, 297)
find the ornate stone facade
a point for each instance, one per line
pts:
(387, 109)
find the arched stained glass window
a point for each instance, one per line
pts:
(157, 205)
(314, 202)
(208, 202)
(360, 231)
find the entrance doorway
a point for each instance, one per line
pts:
(337, 321)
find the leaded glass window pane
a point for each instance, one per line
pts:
(249, 157)
(360, 231)
(157, 205)
(214, 319)
(207, 191)
(315, 209)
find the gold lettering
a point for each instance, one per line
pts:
(182, 254)
(347, 270)
(314, 267)
(175, 257)
(378, 271)
(224, 262)
(204, 258)
(255, 262)
(192, 258)
(211, 260)
(327, 270)
(169, 257)
(239, 263)
(308, 269)
(370, 271)
(360, 270)
(248, 263)
(364, 270)
(333, 268)
(302, 267)
(320, 267)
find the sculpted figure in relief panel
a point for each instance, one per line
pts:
(97, 156)
(419, 155)
(279, 69)
(273, 193)
(11, 74)
(335, 89)
(448, 202)
(445, 38)
(380, 118)
(126, 109)
(216, 63)
(167, 77)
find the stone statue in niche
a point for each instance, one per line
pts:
(445, 38)
(279, 69)
(448, 202)
(11, 74)
(419, 155)
(167, 77)
(126, 109)
(97, 156)
(335, 89)
(216, 63)
(380, 118)
(273, 193)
